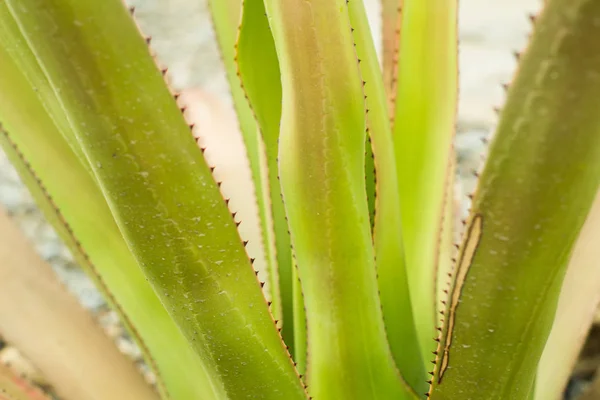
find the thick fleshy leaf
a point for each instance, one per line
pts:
(387, 233)
(33, 300)
(262, 85)
(424, 121)
(537, 188)
(391, 26)
(577, 307)
(370, 180)
(226, 15)
(14, 43)
(450, 234)
(72, 202)
(322, 171)
(160, 189)
(300, 345)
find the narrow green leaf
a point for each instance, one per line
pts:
(72, 202)
(450, 234)
(300, 334)
(537, 188)
(160, 189)
(387, 234)
(425, 108)
(577, 307)
(370, 179)
(259, 73)
(391, 25)
(226, 16)
(322, 170)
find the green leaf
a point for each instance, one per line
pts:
(160, 189)
(262, 85)
(537, 188)
(370, 180)
(14, 43)
(426, 101)
(387, 234)
(391, 25)
(70, 199)
(300, 334)
(577, 307)
(226, 16)
(322, 171)
(449, 235)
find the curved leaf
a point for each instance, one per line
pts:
(72, 202)
(226, 16)
(391, 24)
(536, 190)
(426, 101)
(262, 86)
(159, 189)
(577, 307)
(387, 233)
(322, 171)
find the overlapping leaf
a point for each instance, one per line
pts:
(68, 195)
(577, 308)
(541, 177)
(425, 108)
(322, 171)
(159, 189)
(387, 233)
(226, 16)
(263, 89)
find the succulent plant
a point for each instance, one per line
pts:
(352, 166)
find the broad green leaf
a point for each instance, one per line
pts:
(426, 101)
(322, 171)
(72, 202)
(262, 86)
(159, 189)
(14, 43)
(391, 25)
(33, 300)
(226, 16)
(577, 306)
(537, 188)
(387, 234)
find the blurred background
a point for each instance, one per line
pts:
(182, 39)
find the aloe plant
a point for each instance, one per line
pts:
(352, 168)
